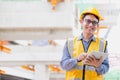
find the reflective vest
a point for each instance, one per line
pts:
(75, 48)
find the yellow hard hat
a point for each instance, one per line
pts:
(91, 10)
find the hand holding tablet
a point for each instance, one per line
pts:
(95, 58)
(98, 55)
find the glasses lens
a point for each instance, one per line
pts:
(88, 21)
(94, 22)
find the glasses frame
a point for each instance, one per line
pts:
(94, 23)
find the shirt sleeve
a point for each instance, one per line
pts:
(67, 63)
(104, 66)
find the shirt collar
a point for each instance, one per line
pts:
(82, 38)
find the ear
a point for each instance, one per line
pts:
(81, 21)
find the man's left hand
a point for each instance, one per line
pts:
(92, 61)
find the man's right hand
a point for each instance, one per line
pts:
(81, 57)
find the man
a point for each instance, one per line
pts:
(75, 61)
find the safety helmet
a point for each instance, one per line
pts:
(91, 10)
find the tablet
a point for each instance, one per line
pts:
(99, 54)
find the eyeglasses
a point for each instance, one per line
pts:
(88, 21)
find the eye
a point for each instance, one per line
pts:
(94, 22)
(89, 21)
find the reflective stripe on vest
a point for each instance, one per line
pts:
(101, 47)
(70, 46)
(86, 68)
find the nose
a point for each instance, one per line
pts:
(91, 24)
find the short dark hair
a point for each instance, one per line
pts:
(90, 14)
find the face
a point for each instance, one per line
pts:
(89, 24)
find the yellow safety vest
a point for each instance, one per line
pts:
(75, 48)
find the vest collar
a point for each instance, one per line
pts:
(82, 38)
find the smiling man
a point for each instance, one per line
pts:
(75, 61)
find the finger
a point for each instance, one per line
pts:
(101, 59)
(92, 57)
(81, 57)
(89, 59)
(88, 63)
(85, 54)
